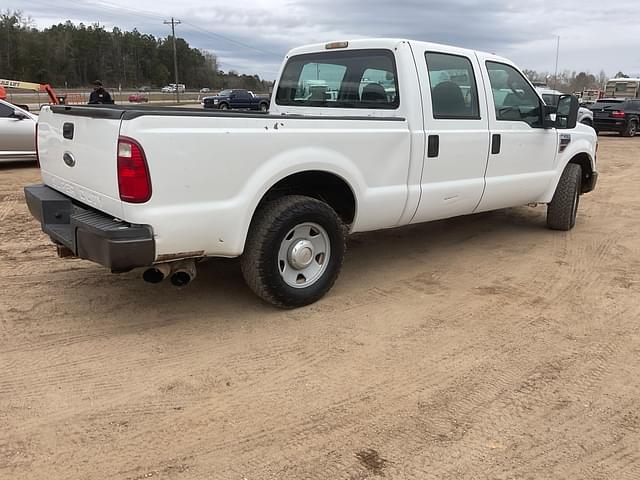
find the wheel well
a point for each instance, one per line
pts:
(584, 161)
(324, 186)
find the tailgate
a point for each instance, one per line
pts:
(77, 151)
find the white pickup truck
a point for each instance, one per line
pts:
(361, 135)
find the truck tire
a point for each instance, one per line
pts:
(632, 128)
(294, 251)
(264, 107)
(224, 106)
(562, 210)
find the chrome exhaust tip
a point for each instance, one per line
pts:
(183, 273)
(157, 273)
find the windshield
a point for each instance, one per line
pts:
(340, 79)
(225, 93)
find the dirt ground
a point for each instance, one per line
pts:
(484, 347)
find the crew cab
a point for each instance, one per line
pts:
(236, 99)
(361, 135)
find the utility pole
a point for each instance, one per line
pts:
(555, 76)
(173, 24)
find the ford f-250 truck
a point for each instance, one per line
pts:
(361, 135)
(236, 99)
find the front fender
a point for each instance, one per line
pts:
(581, 143)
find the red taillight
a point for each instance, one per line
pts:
(616, 114)
(133, 174)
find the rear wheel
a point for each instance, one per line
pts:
(264, 107)
(563, 208)
(630, 131)
(294, 251)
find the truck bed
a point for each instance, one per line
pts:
(129, 112)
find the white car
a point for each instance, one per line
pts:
(551, 97)
(434, 132)
(171, 88)
(17, 133)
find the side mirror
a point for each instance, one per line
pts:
(567, 112)
(18, 115)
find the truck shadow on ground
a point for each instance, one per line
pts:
(378, 256)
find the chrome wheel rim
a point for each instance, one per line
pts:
(304, 255)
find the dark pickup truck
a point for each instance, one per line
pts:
(236, 99)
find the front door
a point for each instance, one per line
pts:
(457, 132)
(522, 159)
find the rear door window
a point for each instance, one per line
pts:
(341, 79)
(5, 111)
(453, 86)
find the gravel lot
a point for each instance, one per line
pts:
(472, 348)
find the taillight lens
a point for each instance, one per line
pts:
(133, 173)
(616, 114)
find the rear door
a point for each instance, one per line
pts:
(78, 156)
(242, 100)
(522, 159)
(457, 130)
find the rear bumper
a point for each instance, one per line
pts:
(90, 234)
(610, 125)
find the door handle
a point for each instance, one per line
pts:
(495, 143)
(433, 146)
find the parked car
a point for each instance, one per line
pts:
(617, 115)
(17, 133)
(138, 98)
(551, 97)
(171, 88)
(205, 90)
(237, 99)
(436, 132)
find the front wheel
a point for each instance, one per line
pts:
(224, 106)
(294, 251)
(563, 208)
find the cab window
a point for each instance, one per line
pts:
(453, 86)
(340, 79)
(514, 99)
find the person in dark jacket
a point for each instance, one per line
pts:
(99, 94)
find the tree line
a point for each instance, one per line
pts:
(572, 81)
(71, 56)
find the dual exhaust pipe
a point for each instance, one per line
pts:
(180, 273)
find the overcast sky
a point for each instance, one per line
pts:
(251, 36)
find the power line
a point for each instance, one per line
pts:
(175, 55)
(102, 5)
(230, 40)
(108, 7)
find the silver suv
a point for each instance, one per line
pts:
(551, 97)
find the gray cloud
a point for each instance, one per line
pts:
(252, 35)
